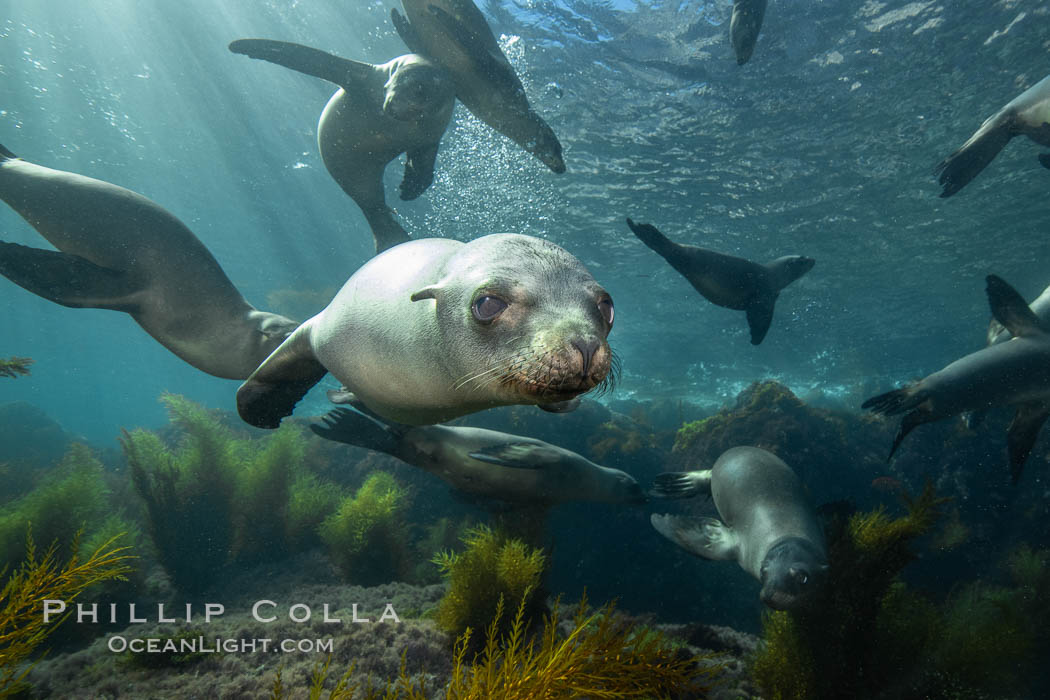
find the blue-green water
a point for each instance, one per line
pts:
(822, 145)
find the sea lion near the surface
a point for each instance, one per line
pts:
(486, 463)
(378, 113)
(725, 280)
(1028, 114)
(744, 26)
(433, 329)
(455, 35)
(1011, 373)
(119, 250)
(768, 525)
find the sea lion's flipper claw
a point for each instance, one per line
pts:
(1011, 310)
(277, 385)
(1024, 429)
(66, 279)
(354, 428)
(705, 537)
(518, 455)
(760, 316)
(419, 171)
(320, 64)
(407, 32)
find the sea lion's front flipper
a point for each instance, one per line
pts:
(273, 389)
(1024, 429)
(651, 236)
(705, 537)
(419, 171)
(1011, 310)
(407, 32)
(760, 316)
(481, 49)
(67, 279)
(518, 455)
(958, 169)
(681, 484)
(341, 71)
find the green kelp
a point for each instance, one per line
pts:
(366, 534)
(216, 499)
(493, 567)
(39, 578)
(15, 367)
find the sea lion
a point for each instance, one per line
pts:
(378, 113)
(486, 463)
(1027, 114)
(728, 281)
(768, 525)
(119, 250)
(1013, 373)
(433, 329)
(744, 27)
(1040, 306)
(455, 34)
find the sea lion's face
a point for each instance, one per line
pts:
(544, 144)
(416, 88)
(792, 573)
(528, 320)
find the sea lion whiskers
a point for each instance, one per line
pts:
(499, 366)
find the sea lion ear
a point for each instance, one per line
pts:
(427, 293)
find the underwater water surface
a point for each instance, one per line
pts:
(823, 145)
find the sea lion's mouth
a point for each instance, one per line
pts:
(559, 377)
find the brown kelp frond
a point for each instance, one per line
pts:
(40, 578)
(601, 658)
(15, 367)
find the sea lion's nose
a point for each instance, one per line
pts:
(587, 349)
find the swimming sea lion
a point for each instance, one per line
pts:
(433, 329)
(379, 112)
(119, 250)
(728, 281)
(769, 526)
(1013, 373)
(1027, 114)
(455, 34)
(1040, 306)
(486, 463)
(744, 27)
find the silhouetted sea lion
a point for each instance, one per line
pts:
(1014, 373)
(486, 463)
(119, 250)
(728, 281)
(1027, 114)
(769, 526)
(744, 26)
(434, 328)
(379, 112)
(455, 35)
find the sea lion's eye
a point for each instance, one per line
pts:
(487, 308)
(606, 307)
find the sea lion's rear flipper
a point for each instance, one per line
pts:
(407, 32)
(705, 537)
(419, 171)
(273, 389)
(681, 484)
(958, 169)
(1024, 429)
(909, 423)
(67, 279)
(760, 316)
(1011, 310)
(519, 455)
(481, 49)
(341, 71)
(355, 428)
(1044, 160)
